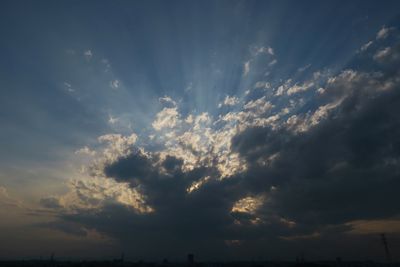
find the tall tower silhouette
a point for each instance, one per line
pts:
(385, 245)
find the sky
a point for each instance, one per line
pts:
(234, 130)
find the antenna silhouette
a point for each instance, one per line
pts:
(385, 245)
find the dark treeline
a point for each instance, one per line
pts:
(166, 263)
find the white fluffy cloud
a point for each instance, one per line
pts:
(383, 33)
(365, 46)
(117, 145)
(382, 54)
(85, 151)
(246, 68)
(88, 54)
(229, 101)
(257, 50)
(259, 106)
(167, 100)
(166, 118)
(114, 84)
(249, 204)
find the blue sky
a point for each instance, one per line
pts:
(215, 98)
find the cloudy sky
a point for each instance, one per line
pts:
(227, 129)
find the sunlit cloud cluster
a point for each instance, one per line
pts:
(253, 166)
(205, 140)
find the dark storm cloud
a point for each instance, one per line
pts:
(200, 221)
(177, 213)
(132, 166)
(180, 223)
(172, 164)
(346, 168)
(51, 202)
